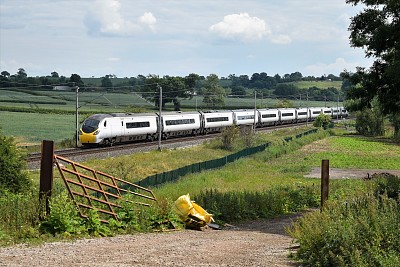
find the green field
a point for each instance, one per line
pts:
(32, 128)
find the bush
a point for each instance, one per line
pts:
(12, 165)
(322, 120)
(228, 137)
(369, 122)
(362, 231)
(236, 206)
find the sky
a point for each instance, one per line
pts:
(127, 38)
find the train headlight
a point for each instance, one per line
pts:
(96, 132)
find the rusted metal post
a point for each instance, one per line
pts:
(46, 174)
(324, 182)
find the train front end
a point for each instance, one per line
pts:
(90, 129)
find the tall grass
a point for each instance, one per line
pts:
(359, 231)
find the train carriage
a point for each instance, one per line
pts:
(180, 123)
(245, 117)
(302, 114)
(314, 113)
(215, 121)
(287, 115)
(268, 117)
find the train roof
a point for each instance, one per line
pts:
(124, 115)
(179, 112)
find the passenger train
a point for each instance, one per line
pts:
(109, 129)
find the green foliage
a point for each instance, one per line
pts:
(322, 120)
(361, 231)
(243, 205)
(19, 216)
(213, 93)
(63, 217)
(158, 216)
(228, 137)
(284, 104)
(370, 122)
(375, 30)
(12, 164)
(94, 225)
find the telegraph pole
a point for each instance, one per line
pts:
(307, 111)
(159, 120)
(255, 110)
(76, 116)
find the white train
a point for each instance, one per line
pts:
(109, 129)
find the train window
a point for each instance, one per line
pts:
(140, 124)
(268, 115)
(302, 113)
(287, 114)
(343, 110)
(327, 111)
(217, 119)
(316, 112)
(180, 121)
(105, 123)
(247, 117)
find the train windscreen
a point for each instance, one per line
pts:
(90, 125)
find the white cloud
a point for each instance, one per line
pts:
(105, 17)
(336, 67)
(241, 26)
(149, 20)
(281, 39)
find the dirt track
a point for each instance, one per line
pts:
(335, 173)
(257, 243)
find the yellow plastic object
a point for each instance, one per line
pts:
(192, 214)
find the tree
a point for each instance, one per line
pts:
(106, 82)
(286, 90)
(284, 104)
(12, 163)
(76, 80)
(213, 93)
(322, 120)
(173, 88)
(5, 74)
(376, 30)
(54, 74)
(238, 91)
(21, 74)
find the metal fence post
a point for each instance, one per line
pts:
(324, 182)
(46, 175)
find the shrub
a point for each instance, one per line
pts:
(236, 206)
(12, 164)
(369, 122)
(322, 120)
(63, 217)
(362, 231)
(229, 135)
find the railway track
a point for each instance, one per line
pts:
(76, 152)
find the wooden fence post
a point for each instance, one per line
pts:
(46, 175)
(324, 182)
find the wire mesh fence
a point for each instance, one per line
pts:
(170, 176)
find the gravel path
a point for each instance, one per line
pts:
(336, 173)
(256, 243)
